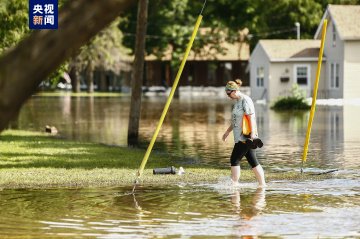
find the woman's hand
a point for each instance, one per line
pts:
(226, 134)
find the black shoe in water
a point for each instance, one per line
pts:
(258, 142)
(250, 143)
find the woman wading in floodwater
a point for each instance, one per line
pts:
(245, 145)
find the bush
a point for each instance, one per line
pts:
(296, 101)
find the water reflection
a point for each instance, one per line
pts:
(194, 126)
(250, 208)
(200, 211)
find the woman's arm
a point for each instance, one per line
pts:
(227, 132)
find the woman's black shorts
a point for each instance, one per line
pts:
(240, 150)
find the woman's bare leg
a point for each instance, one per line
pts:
(260, 176)
(235, 174)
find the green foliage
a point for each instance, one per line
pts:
(290, 103)
(275, 19)
(296, 101)
(13, 22)
(57, 75)
(14, 27)
(104, 51)
(171, 22)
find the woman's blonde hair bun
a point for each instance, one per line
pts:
(238, 82)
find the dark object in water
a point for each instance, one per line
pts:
(169, 170)
(325, 172)
(51, 129)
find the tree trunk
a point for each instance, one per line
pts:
(138, 69)
(23, 68)
(75, 79)
(102, 82)
(90, 77)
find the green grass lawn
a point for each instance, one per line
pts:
(38, 160)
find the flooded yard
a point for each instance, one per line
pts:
(194, 127)
(193, 130)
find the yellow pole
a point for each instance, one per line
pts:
(148, 151)
(313, 104)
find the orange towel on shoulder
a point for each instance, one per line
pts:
(246, 128)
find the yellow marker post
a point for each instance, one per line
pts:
(313, 104)
(148, 151)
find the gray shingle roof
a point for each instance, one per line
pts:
(290, 49)
(346, 19)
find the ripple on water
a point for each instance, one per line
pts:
(323, 208)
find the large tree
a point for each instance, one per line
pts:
(137, 74)
(23, 68)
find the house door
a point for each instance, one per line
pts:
(302, 78)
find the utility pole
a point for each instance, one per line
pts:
(138, 73)
(297, 24)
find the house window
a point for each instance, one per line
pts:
(334, 75)
(337, 75)
(302, 75)
(333, 35)
(260, 76)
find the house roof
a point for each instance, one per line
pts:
(238, 50)
(291, 50)
(346, 19)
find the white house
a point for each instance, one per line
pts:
(342, 48)
(275, 65)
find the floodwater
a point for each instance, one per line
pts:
(296, 210)
(192, 130)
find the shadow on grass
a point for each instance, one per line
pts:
(22, 150)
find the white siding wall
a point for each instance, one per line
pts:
(259, 59)
(279, 69)
(352, 70)
(322, 81)
(334, 52)
(277, 88)
(322, 89)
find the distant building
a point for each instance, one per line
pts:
(275, 65)
(342, 49)
(207, 68)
